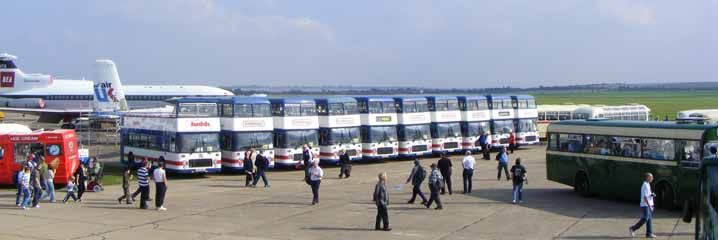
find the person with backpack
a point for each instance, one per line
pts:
(518, 174)
(435, 182)
(503, 158)
(345, 164)
(417, 176)
(248, 167)
(262, 164)
(381, 199)
(485, 143)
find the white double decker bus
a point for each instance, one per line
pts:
(186, 140)
(414, 129)
(339, 123)
(526, 119)
(445, 124)
(378, 127)
(246, 123)
(475, 121)
(295, 123)
(502, 120)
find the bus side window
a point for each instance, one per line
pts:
(553, 141)
(570, 143)
(658, 149)
(626, 146)
(541, 116)
(689, 153)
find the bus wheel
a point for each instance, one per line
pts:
(581, 185)
(665, 197)
(687, 214)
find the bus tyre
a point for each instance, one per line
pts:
(687, 213)
(582, 186)
(665, 197)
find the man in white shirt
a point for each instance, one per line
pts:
(468, 164)
(646, 208)
(160, 178)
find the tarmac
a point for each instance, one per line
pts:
(219, 207)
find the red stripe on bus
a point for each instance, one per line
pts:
(280, 157)
(404, 149)
(435, 145)
(467, 144)
(327, 154)
(231, 160)
(367, 151)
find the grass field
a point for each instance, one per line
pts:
(662, 103)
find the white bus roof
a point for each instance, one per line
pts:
(14, 128)
(711, 114)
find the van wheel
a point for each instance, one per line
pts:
(581, 185)
(687, 214)
(665, 197)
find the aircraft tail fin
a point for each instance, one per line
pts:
(109, 94)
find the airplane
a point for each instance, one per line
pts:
(60, 99)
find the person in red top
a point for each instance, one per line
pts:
(512, 142)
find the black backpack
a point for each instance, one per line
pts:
(420, 175)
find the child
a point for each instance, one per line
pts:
(70, 190)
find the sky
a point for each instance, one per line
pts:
(419, 43)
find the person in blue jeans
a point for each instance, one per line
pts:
(25, 184)
(503, 158)
(646, 208)
(261, 164)
(18, 184)
(518, 174)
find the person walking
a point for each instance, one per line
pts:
(36, 185)
(468, 164)
(307, 160)
(381, 198)
(503, 158)
(485, 141)
(248, 167)
(24, 181)
(344, 163)
(512, 142)
(50, 183)
(445, 167)
(417, 176)
(647, 208)
(518, 174)
(18, 184)
(435, 181)
(315, 179)
(143, 183)
(160, 177)
(70, 190)
(81, 176)
(262, 164)
(126, 177)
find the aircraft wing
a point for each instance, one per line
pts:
(48, 115)
(44, 110)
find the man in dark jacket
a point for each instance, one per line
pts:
(445, 167)
(307, 158)
(417, 176)
(381, 198)
(261, 163)
(485, 146)
(518, 174)
(248, 166)
(344, 163)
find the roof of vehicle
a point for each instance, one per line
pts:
(336, 100)
(244, 100)
(293, 100)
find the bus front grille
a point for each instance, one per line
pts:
(530, 138)
(385, 150)
(200, 163)
(504, 141)
(351, 152)
(298, 157)
(451, 145)
(419, 148)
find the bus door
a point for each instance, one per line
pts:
(688, 154)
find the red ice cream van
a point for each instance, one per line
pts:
(60, 145)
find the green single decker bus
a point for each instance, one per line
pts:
(608, 157)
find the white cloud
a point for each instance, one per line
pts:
(629, 12)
